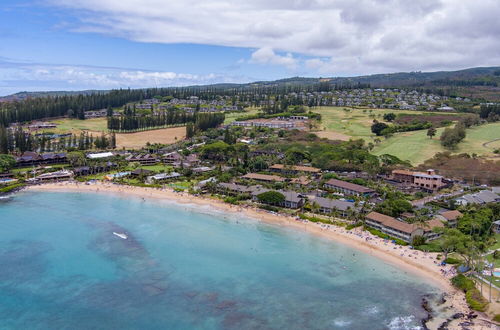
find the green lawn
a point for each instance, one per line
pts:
(479, 135)
(353, 122)
(497, 244)
(415, 146)
(75, 125)
(230, 117)
(490, 259)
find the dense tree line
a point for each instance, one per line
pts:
(490, 112)
(130, 121)
(75, 105)
(17, 140)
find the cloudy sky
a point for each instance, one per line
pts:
(102, 44)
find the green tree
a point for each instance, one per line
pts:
(431, 132)
(6, 162)
(271, 197)
(389, 116)
(378, 127)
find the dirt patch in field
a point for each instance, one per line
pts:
(332, 135)
(139, 139)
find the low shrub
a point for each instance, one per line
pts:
(472, 295)
(11, 188)
(496, 318)
(314, 219)
(269, 208)
(385, 236)
(452, 261)
(353, 225)
(463, 283)
(231, 200)
(475, 300)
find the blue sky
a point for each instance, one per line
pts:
(101, 44)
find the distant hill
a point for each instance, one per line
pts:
(25, 95)
(476, 82)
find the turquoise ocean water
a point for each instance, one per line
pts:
(184, 268)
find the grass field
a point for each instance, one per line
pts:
(230, 117)
(414, 146)
(76, 126)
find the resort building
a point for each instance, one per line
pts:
(429, 233)
(55, 176)
(263, 177)
(269, 123)
(348, 188)
(30, 158)
(293, 200)
(147, 159)
(393, 227)
(172, 157)
(87, 170)
(163, 177)
(482, 197)
(236, 189)
(429, 180)
(41, 125)
(328, 205)
(293, 170)
(100, 155)
(140, 172)
(451, 217)
(301, 181)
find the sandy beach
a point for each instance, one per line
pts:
(416, 262)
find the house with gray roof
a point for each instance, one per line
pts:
(328, 205)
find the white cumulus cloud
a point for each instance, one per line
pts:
(267, 56)
(362, 36)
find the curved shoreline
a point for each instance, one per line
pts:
(421, 264)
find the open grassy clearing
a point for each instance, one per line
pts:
(414, 146)
(478, 137)
(68, 125)
(230, 117)
(353, 122)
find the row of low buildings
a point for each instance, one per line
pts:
(481, 197)
(294, 122)
(292, 200)
(30, 158)
(407, 231)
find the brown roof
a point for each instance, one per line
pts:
(391, 222)
(404, 172)
(451, 215)
(301, 180)
(434, 223)
(350, 186)
(297, 168)
(263, 177)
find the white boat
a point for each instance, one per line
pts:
(121, 235)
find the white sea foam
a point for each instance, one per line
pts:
(403, 323)
(372, 310)
(341, 322)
